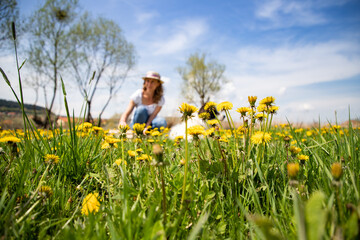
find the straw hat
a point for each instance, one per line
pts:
(153, 75)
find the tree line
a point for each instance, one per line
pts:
(66, 42)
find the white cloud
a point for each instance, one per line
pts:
(179, 36)
(296, 65)
(286, 13)
(145, 16)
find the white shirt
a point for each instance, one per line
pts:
(137, 98)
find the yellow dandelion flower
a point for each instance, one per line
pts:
(294, 150)
(150, 140)
(86, 126)
(204, 115)
(336, 170)
(260, 137)
(90, 204)
(105, 145)
(261, 108)
(119, 161)
(46, 191)
(155, 134)
(131, 153)
(224, 106)
(212, 122)
(112, 140)
(196, 130)
(273, 109)
(293, 169)
(252, 100)
(139, 150)
(144, 157)
(179, 138)
(10, 140)
(210, 106)
(97, 129)
(123, 128)
(51, 158)
(268, 100)
(187, 110)
(139, 128)
(209, 131)
(243, 111)
(261, 116)
(302, 158)
(299, 130)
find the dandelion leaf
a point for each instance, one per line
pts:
(316, 216)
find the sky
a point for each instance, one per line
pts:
(304, 53)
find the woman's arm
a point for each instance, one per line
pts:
(126, 114)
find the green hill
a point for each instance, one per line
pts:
(12, 106)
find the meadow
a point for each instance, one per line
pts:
(258, 180)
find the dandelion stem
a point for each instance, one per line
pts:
(186, 164)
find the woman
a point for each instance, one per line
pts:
(148, 102)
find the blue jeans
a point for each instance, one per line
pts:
(141, 116)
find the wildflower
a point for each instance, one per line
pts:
(51, 158)
(336, 127)
(243, 111)
(178, 139)
(155, 134)
(336, 171)
(150, 140)
(224, 106)
(204, 115)
(299, 130)
(260, 137)
(196, 130)
(119, 161)
(210, 106)
(132, 153)
(302, 158)
(10, 140)
(293, 169)
(182, 161)
(241, 129)
(45, 191)
(85, 127)
(90, 204)
(97, 129)
(158, 152)
(112, 141)
(268, 101)
(261, 108)
(139, 150)
(139, 128)
(187, 110)
(124, 128)
(143, 157)
(212, 122)
(105, 145)
(252, 100)
(261, 116)
(273, 109)
(209, 132)
(294, 150)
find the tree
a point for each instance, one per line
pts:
(8, 13)
(49, 45)
(100, 47)
(201, 79)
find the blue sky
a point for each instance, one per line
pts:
(304, 53)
